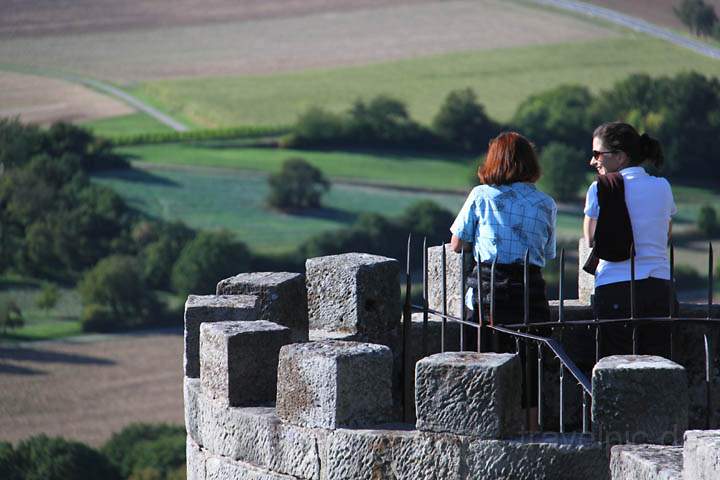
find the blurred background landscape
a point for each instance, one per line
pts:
(151, 148)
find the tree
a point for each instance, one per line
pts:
(207, 259)
(563, 171)
(10, 316)
(117, 286)
(160, 255)
(44, 458)
(707, 221)
(318, 128)
(146, 450)
(557, 115)
(462, 121)
(298, 185)
(49, 296)
(697, 15)
(426, 219)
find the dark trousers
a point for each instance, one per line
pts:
(652, 299)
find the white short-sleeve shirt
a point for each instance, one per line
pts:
(650, 204)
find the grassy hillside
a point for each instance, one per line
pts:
(502, 78)
(134, 123)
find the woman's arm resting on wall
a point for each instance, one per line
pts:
(589, 225)
(456, 244)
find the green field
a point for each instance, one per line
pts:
(235, 200)
(61, 321)
(501, 77)
(134, 123)
(404, 170)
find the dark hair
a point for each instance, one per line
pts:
(511, 158)
(623, 137)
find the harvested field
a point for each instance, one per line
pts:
(86, 390)
(659, 12)
(44, 100)
(350, 33)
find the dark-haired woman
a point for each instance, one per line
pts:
(502, 218)
(619, 150)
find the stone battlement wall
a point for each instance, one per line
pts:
(291, 376)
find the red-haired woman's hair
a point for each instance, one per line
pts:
(511, 158)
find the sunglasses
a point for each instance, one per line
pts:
(596, 154)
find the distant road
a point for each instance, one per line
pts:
(634, 23)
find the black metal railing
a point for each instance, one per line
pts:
(522, 332)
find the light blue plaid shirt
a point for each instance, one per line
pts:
(503, 221)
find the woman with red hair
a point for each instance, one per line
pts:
(503, 218)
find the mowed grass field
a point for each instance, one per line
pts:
(501, 77)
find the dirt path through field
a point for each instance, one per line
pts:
(86, 390)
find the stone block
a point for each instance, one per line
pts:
(238, 360)
(219, 468)
(586, 282)
(212, 308)
(256, 435)
(282, 298)
(646, 462)
(469, 394)
(542, 456)
(639, 399)
(333, 384)
(354, 293)
(452, 276)
(195, 460)
(701, 455)
(193, 410)
(392, 453)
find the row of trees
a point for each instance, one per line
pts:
(683, 112)
(138, 452)
(699, 17)
(57, 225)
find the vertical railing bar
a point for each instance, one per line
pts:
(426, 303)
(528, 386)
(671, 302)
(584, 410)
(562, 412)
(462, 297)
(407, 319)
(492, 292)
(708, 392)
(598, 339)
(443, 273)
(526, 288)
(632, 298)
(481, 315)
(710, 280)
(541, 424)
(561, 284)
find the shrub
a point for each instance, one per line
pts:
(10, 316)
(44, 458)
(318, 128)
(49, 296)
(426, 219)
(462, 121)
(707, 221)
(298, 185)
(115, 289)
(141, 447)
(563, 171)
(208, 258)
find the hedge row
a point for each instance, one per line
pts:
(247, 131)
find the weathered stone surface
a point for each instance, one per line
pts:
(452, 275)
(195, 460)
(586, 282)
(548, 456)
(646, 462)
(392, 454)
(355, 293)
(256, 435)
(701, 455)
(193, 410)
(469, 394)
(639, 399)
(332, 384)
(212, 308)
(219, 468)
(238, 360)
(282, 298)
